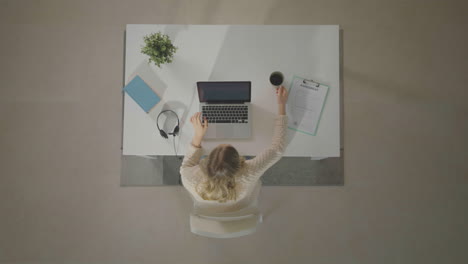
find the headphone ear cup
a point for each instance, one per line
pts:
(176, 130)
(163, 134)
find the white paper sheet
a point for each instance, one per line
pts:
(305, 105)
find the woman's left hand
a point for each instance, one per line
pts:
(199, 127)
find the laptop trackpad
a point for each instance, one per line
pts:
(224, 131)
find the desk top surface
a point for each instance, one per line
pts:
(232, 53)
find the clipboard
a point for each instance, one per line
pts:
(306, 102)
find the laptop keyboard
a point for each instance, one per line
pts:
(225, 113)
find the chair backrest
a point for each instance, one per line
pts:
(225, 225)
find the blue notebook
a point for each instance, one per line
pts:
(143, 95)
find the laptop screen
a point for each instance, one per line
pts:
(219, 92)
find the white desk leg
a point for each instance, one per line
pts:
(317, 158)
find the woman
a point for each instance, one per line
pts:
(224, 181)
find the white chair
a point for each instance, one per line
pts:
(225, 225)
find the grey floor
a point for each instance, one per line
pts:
(405, 117)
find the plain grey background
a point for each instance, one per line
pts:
(405, 113)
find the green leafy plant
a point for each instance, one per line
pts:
(159, 48)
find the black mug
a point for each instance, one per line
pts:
(276, 79)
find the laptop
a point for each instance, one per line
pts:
(226, 105)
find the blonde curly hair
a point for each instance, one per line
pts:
(220, 169)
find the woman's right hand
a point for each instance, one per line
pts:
(199, 127)
(281, 95)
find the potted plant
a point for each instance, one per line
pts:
(159, 48)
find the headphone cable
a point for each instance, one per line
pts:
(173, 141)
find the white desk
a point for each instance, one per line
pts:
(236, 53)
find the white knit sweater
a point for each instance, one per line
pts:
(248, 178)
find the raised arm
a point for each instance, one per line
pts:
(274, 152)
(194, 152)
